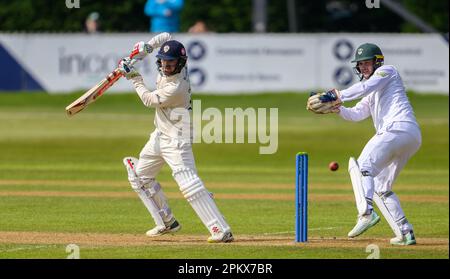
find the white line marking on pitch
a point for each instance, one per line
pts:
(288, 232)
(27, 248)
(323, 229)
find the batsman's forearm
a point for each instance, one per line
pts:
(147, 98)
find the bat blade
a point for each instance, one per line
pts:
(93, 94)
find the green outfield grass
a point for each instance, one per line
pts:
(62, 181)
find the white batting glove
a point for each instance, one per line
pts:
(140, 50)
(159, 39)
(127, 70)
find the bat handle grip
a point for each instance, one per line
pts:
(133, 61)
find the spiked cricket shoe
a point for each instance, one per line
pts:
(406, 239)
(364, 223)
(171, 227)
(221, 237)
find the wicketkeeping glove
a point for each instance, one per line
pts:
(327, 102)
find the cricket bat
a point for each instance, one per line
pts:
(92, 94)
(95, 92)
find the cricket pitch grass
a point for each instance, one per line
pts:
(62, 182)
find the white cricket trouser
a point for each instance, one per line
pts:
(160, 149)
(177, 153)
(386, 153)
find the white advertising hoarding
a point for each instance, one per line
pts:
(422, 60)
(223, 63)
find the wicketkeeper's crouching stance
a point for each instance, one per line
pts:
(397, 138)
(169, 144)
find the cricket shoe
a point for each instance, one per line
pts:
(406, 239)
(364, 223)
(221, 237)
(171, 227)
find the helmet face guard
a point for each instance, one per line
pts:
(368, 52)
(180, 64)
(378, 61)
(172, 50)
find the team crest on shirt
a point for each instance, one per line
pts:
(360, 50)
(166, 48)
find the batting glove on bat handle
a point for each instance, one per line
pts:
(127, 69)
(140, 50)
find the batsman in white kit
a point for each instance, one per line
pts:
(170, 142)
(396, 140)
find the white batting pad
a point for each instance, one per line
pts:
(356, 178)
(390, 207)
(150, 193)
(201, 201)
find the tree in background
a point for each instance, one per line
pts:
(54, 16)
(221, 16)
(434, 13)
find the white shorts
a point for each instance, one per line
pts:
(386, 153)
(160, 149)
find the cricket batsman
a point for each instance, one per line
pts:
(170, 142)
(396, 140)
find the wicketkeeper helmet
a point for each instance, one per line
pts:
(367, 52)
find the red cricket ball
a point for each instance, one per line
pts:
(333, 166)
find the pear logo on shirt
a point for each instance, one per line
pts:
(166, 48)
(360, 51)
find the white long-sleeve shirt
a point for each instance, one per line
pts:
(383, 97)
(172, 101)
